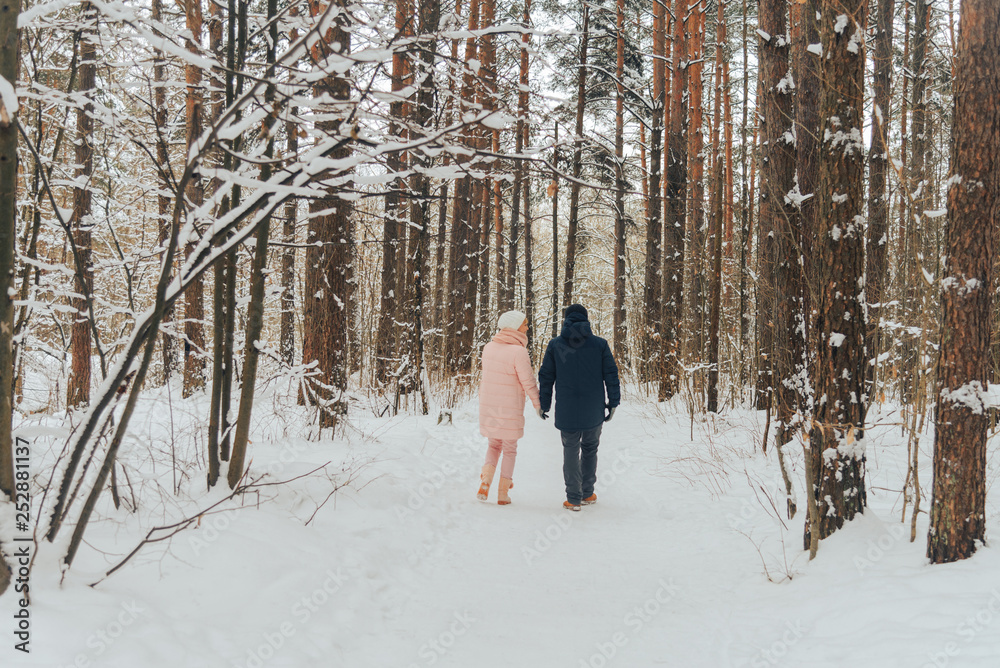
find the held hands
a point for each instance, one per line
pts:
(542, 414)
(611, 413)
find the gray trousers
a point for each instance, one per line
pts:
(580, 462)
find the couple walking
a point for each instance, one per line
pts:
(581, 367)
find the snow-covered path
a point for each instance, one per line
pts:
(538, 585)
(412, 570)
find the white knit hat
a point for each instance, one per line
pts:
(511, 320)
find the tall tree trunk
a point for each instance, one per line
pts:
(806, 70)
(620, 327)
(162, 161)
(696, 187)
(574, 189)
(529, 286)
(391, 314)
(465, 244)
(837, 443)
(903, 144)
(194, 308)
(78, 384)
(439, 316)
(480, 264)
(553, 192)
(673, 230)
(728, 201)
(491, 99)
(444, 251)
(403, 290)
(219, 102)
(644, 173)
(715, 234)
(657, 372)
(877, 241)
(958, 506)
(775, 182)
(489, 219)
(420, 209)
(255, 309)
(789, 209)
(729, 296)
(652, 285)
(286, 338)
(520, 137)
(328, 266)
(503, 300)
(746, 155)
(8, 234)
(915, 184)
(236, 47)
(412, 279)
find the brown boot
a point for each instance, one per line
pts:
(485, 480)
(502, 497)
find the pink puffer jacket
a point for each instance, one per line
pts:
(507, 376)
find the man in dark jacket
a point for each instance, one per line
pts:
(581, 367)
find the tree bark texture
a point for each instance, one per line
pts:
(673, 230)
(78, 384)
(958, 505)
(877, 241)
(837, 445)
(328, 264)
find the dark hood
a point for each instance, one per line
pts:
(576, 329)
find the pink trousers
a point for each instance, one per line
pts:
(509, 449)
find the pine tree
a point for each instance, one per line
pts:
(958, 506)
(78, 385)
(194, 308)
(574, 196)
(717, 214)
(779, 268)
(619, 322)
(673, 231)
(652, 285)
(8, 234)
(329, 255)
(877, 242)
(836, 439)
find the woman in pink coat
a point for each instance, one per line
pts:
(507, 377)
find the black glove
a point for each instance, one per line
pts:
(543, 414)
(611, 413)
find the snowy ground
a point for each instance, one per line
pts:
(683, 562)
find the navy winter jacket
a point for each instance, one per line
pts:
(581, 367)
